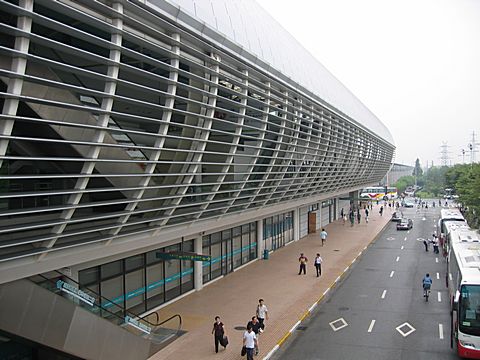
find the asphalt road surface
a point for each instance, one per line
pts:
(378, 311)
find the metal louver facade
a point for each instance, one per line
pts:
(118, 121)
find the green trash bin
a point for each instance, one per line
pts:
(265, 254)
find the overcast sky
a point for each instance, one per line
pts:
(414, 63)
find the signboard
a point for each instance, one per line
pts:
(182, 255)
(76, 292)
(137, 325)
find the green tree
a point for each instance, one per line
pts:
(417, 170)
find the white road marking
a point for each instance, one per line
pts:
(384, 293)
(391, 274)
(371, 326)
(405, 239)
(398, 258)
(312, 307)
(325, 292)
(295, 326)
(438, 276)
(440, 331)
(405, 334)
(269, 355)
(436, 260)
(337, 279)
(450, 276)
(402, 248)
(335, 328)
(346, 269)
(439, 297)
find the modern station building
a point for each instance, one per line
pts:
(132, 130)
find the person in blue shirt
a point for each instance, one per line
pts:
(427, 283)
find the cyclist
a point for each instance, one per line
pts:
(427, 284)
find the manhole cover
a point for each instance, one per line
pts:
(302, 327)
(344, 308)
(336, 250)
(240, 328)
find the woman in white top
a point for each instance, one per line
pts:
(318, 264)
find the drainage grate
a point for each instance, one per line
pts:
(302, 327)
(344, 308)
(240, 328)
(336, 250)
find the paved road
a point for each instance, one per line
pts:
(382, 292)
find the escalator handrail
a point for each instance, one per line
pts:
(96, 305)
(133, 315)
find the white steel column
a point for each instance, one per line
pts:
(15, 83)
(102, 122)
(198, 265)
(296, 224)
(260, 240)
(162, 131)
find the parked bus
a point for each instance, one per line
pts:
(463, 280)
(378, 193)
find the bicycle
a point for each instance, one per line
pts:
(426, 291)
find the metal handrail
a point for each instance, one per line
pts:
(124, 310)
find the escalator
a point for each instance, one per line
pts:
(53, 314)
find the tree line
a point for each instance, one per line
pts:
(464, 180)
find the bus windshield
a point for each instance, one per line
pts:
(469, 310)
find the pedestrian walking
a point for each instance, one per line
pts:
(219, 332)
(358, 215)
(262, 313)
(366, 215)
(352, 217)
(303, 264)
(256, 327)
(435, 245)
(344, 219)
(318, 264)
(381, 210)
(425, 243)
(249, 342)
(341, 213)
(323, 236)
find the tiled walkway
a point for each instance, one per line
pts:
(287, 295)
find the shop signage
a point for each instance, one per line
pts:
(182, 255)
(76, 292)
(138, 325)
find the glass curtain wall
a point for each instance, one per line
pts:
(278, 230)
(141, 282)
(229, 249)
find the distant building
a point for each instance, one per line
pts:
(396, 172)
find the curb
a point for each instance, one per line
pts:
(314, 305)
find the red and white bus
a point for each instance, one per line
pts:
(463, 279)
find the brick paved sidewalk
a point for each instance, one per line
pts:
(287, 295)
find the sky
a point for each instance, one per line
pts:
(414, 63)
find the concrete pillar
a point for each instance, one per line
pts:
(260, 239)
(197, 265)
(296, 224)
(353, 199)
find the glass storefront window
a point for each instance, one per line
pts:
(155, 285)
(172, 275)
(237, 247)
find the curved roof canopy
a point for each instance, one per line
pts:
(248, 25)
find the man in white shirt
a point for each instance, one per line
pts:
(262, 314)
(250, 342)
(323, 236)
